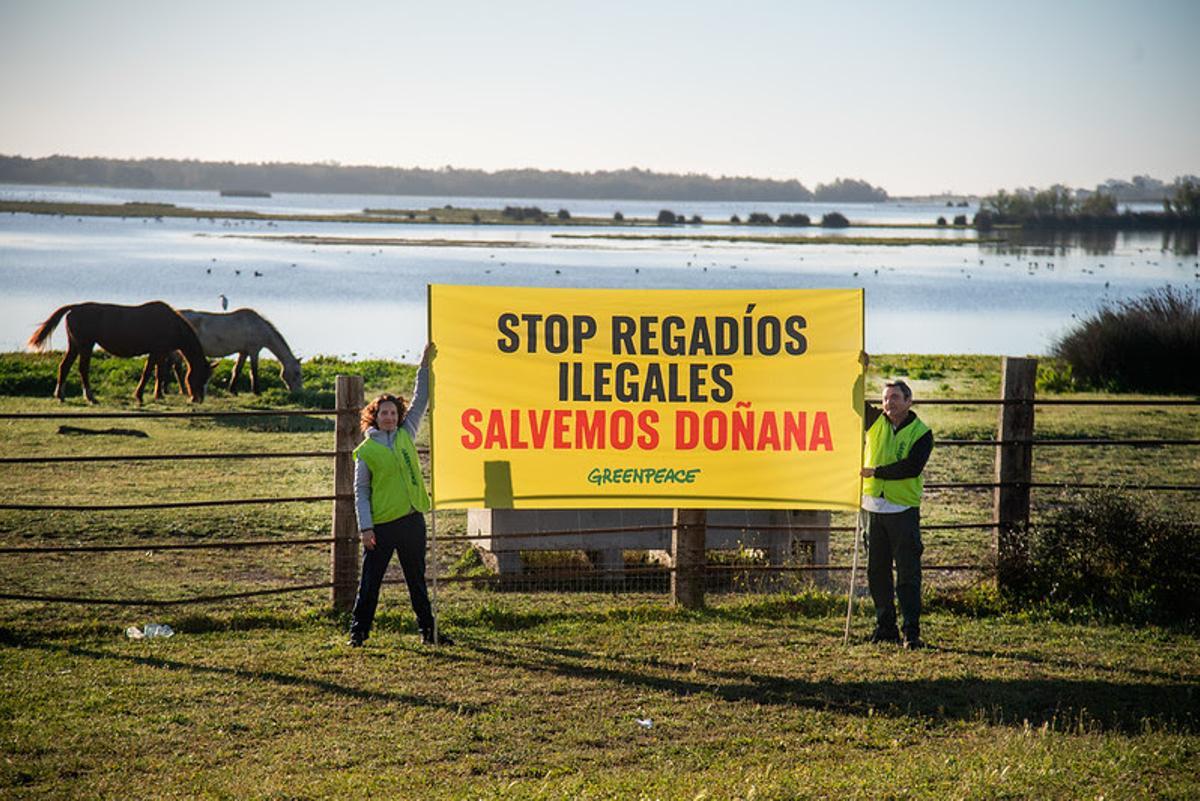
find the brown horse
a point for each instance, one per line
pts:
(153, 328)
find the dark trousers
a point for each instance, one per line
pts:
(406, 537)
(895, 538)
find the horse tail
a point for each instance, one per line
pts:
(38, 340)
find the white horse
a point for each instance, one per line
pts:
(244, 332)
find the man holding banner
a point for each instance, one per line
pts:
(897, 447)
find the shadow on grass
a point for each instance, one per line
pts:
(1073, 664)
(281, 679)
(769, 612)
(1066, 705)
(39, 632)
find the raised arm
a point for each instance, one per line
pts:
(420, 394)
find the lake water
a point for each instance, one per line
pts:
(363, 300)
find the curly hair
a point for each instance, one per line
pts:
(370, 412)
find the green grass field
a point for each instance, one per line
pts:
(755, 697)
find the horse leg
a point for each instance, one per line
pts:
(237, 371)
(63, 368)
(254, 373)
(85, 367)
(151, 361)
(160, 369)
(177, 368)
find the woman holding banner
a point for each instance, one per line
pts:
(390, 498)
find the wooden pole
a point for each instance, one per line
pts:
(343, 561)
(1014, 466)
(687, 553)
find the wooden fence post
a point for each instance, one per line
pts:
(343, 563)
(687, 554)
(1014, 465)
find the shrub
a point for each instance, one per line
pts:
(795, 220)
(960, 219)
(1186, 202)
(759, 218)
(984, 220)
(1055, 378)
(618, 217)
(563, 214)
(941, 220)
(666, 217)
(697, 219)
(1113, 553)
(736, 220)
(834, 219)
(1146, 344)
(523, 213)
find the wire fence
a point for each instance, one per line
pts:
(755, 555)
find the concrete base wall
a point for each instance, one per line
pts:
(492, 530)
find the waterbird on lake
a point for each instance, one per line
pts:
(224, 302)
(257, 274)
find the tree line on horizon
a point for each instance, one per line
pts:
(1060, 206)
(630, 184)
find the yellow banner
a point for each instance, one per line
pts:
(565, 398)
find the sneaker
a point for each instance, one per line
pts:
(356, 639)
(890, 637)
(443, 638)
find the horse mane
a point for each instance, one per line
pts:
(283, 345)
(191, 340)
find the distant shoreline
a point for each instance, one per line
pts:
(482, 217)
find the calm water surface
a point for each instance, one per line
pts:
(367, 300)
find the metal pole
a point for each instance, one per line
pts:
(433, 529)
(863, 360)
(858, 525)
(432, 485)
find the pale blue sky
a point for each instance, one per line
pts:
(917, 97)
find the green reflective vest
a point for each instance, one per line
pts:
(885, 446)
(396, 484)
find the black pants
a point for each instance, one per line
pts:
(406, 537)
(895, 538)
